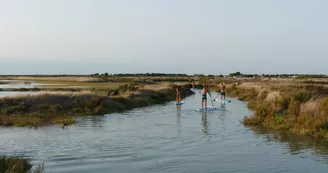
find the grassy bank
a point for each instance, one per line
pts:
(300, 109)
(36, 110)
(18, 165)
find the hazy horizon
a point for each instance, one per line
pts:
(173, 36)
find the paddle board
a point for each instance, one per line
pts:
(209, 108)
(181, 103)
(222, 101)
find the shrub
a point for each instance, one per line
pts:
(43, 107)
(283, 103)
(128, 87)
(264, 95)
(140, 102)
(94, 102)
(14, 164)
(15, 109)
(77, 110)
(294, 108)
(301, 97)
(56, 108)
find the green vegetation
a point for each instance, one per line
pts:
(235, 74)
(296, 109)
(18, 164)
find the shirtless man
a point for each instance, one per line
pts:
(223, 91)
(204, 97)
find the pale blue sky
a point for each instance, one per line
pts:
(171, 36)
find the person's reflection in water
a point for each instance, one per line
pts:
(194, 93)
(204, 123)
(223, 106)
(222, 115)
(178, 122)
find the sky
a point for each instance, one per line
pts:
(163, 36)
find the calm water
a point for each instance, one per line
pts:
(162, 139)
(18, 84)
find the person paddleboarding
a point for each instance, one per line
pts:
(204, 96)
(223, 91)
(178, 96)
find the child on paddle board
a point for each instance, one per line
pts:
(204, 97)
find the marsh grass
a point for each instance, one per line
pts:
(60, 107)
(34, 120)
(297, 109)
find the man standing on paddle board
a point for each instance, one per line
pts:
(204, 98)
(223, 90)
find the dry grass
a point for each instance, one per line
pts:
(250, 85)
(273, 95)
(300, 108)
(310, 107)
(157, 86)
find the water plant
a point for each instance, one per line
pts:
(18, 164)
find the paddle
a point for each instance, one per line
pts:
(216, 96)
(211, 99)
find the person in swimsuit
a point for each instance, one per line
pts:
(204, 97)
(223, 91)
(178, 96)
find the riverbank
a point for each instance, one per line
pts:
(60, 108)
(300, 109)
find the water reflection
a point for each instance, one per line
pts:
(296, 144)
(97, 121)
(223, 106)
(222, 115)
(91, 121)
(178, 122)
(204, 123)
(178, 107)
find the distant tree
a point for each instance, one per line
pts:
(235, 74)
